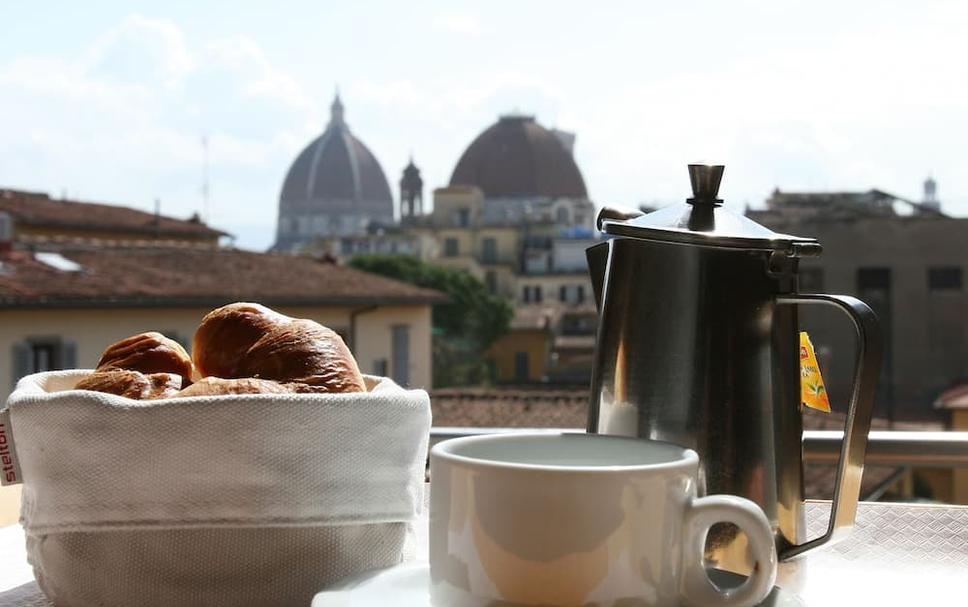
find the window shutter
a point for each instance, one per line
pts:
(21, 361)
(68, 355)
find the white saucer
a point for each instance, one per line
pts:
(409, 586)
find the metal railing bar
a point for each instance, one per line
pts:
(884, 447)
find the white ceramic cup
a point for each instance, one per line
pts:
(580, 519)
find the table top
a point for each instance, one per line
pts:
(897, 554)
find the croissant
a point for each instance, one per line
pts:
(226, 334)
(132, 384)
(250, 340)
(306, 352)
(215, 386)
(148, 353)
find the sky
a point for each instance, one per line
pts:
(110, 103)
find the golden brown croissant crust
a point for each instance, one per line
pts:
(215, 386)
(306, 352)
(227, 333)
(132, 384)
(148, 353)
(241, 348)
(250, 340)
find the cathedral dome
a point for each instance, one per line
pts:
(336, 166)
(335, 186)
(519, 158)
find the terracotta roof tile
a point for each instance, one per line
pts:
(38, 209)
(193, 276)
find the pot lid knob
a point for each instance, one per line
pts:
(705, 180)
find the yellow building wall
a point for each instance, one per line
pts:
(465, 242)
(535, 342)
(450, 199)
(92, 330)
(505, 239)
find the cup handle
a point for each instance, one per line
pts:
(701, 514)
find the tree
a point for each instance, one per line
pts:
(464, 327)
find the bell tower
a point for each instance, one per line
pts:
(411, 192)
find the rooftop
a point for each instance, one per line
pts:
(827, 206)
(186, 275)
(38, 209)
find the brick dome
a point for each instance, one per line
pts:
(519, 158)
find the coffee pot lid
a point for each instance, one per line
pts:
(702, 220)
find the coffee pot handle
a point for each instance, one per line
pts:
(850, 467)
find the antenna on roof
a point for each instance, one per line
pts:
(206, 189)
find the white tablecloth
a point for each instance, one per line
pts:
(898, 555)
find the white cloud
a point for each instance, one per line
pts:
(140, 50)
(123, 121)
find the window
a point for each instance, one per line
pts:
(346, 246)
(561, 215)
(572, 294)
(531, 294)
(946, 278)
(38, 354)
(462, 217)
(489, 252)
(873, 279)
(811, 280)
(451, 247)
(490, 279)
(400, 347)
(521, 366)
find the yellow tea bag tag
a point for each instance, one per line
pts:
(812, 392)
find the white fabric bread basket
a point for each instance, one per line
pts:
(244, 500)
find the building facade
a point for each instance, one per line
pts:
(905, 259)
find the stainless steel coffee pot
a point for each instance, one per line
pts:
(698, 345)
